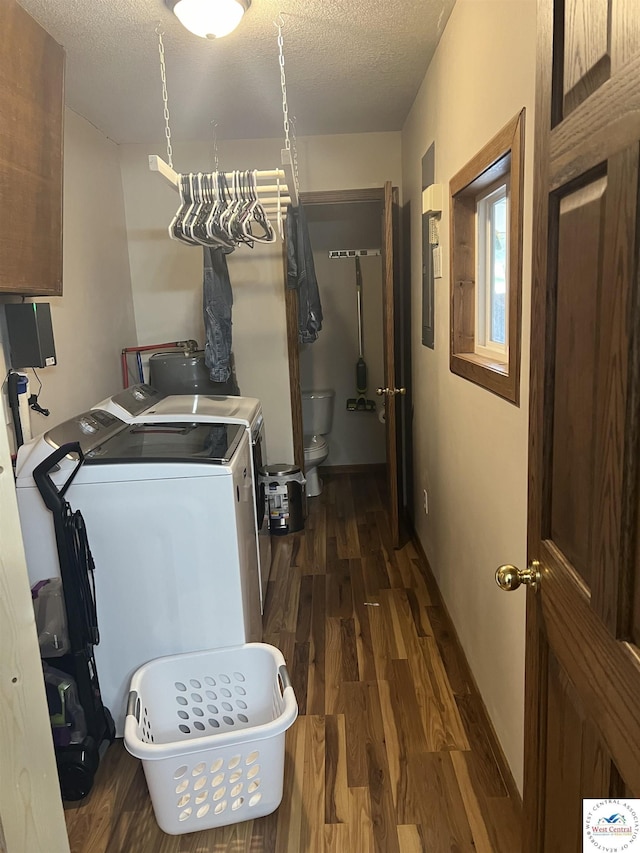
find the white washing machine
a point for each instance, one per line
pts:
(170, 517)
(144, 403)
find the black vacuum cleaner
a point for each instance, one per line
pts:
(81, 725)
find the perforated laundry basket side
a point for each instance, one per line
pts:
(224, 761)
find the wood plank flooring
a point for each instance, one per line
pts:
(392, 751)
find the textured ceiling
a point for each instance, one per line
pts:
(351, 66)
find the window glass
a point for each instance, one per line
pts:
(499, 271)
(492, 274)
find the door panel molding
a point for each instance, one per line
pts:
(589, 136)
(587, 62)
(605, 671)
(616, 464)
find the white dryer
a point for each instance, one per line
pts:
(170, 516)
(142, 402)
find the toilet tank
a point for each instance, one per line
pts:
(317, 411)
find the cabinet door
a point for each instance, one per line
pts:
(31, 111)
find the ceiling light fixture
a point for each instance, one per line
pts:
(209, 18)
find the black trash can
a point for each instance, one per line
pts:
(285, 497)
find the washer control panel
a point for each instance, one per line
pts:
(138, 398)
(88, 428)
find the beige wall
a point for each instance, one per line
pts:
(357, 438)
(471, 446)
(349, 161)
(167, 276)
(93, 320)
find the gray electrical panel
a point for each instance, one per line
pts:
(30, 334)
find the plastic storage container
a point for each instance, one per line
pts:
(285, 497)
(51, 617)
(209, 728)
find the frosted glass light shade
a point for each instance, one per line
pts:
(209, 18)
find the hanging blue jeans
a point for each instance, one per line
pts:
(217, 305)
(301, 275)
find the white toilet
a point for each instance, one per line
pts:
(317, 417)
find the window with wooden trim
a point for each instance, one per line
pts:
(486, 264)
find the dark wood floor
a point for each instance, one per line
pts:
(391, 752)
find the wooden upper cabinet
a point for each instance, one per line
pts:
(31, 138)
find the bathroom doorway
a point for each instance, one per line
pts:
(354, 219)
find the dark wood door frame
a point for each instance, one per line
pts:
(403, 358)
(291, 308)
(396, 324)
(390, 281)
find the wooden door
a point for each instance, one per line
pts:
(392, 389)
(582, 728)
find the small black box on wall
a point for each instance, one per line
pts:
(30, 334)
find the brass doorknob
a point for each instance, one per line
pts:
(510, 577)
(390, 392)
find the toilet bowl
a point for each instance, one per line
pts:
(317, 417)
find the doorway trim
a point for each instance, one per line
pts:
(291, 309)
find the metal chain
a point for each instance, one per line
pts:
(214, 125)
(283, 83)
(289, 124)
(165, 97)
(294, 150)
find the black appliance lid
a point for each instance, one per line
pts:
(172, 442)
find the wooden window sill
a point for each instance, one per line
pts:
(488, 373)
(501, 367)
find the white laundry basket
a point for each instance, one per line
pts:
(210, 727)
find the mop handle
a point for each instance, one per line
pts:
(359, 298)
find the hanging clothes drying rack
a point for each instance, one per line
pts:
(275, 188)
(284, 191)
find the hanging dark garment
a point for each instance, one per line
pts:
(301, 275)
(217, 304)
